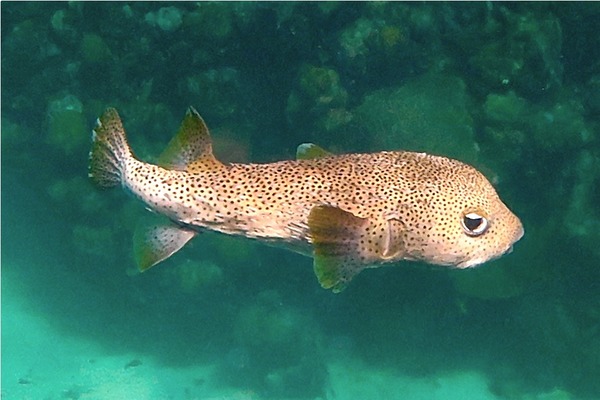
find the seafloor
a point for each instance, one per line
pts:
(512, 88)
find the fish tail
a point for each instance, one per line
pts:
(110, 150)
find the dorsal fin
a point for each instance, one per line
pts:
(191, 145)
(310, 151)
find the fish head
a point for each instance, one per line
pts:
(487, 233)
(465, 221)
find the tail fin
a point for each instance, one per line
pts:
(110, 150)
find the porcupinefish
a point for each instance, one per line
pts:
(349, 212)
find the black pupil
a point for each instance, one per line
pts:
(472, 223)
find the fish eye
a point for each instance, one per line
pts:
(474, 223)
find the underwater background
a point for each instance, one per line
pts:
(512, 88)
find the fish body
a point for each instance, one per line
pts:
(348, 212)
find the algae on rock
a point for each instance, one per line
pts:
(429, 113)
(67, 126)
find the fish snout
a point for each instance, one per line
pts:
(519, 230)
(517, 234)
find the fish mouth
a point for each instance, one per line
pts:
(472, 262)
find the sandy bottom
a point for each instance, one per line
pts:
(38, 363)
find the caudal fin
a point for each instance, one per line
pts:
(109, 151)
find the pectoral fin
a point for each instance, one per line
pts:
(157, 242)
(336, 237)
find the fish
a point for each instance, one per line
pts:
(133, 363)
(349, 212)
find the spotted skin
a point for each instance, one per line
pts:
(349, 212)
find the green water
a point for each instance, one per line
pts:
(513, 89)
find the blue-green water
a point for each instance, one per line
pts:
(512, 88)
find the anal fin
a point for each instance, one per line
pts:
(157, 242)
(336, 236)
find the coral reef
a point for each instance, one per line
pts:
(67, 126)
(168, 19)
(216, 92)
(94, 49)
(194, 276)
(268, 328)
(319, 100)
(510, 87)
(429, 113)
(584, 200)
